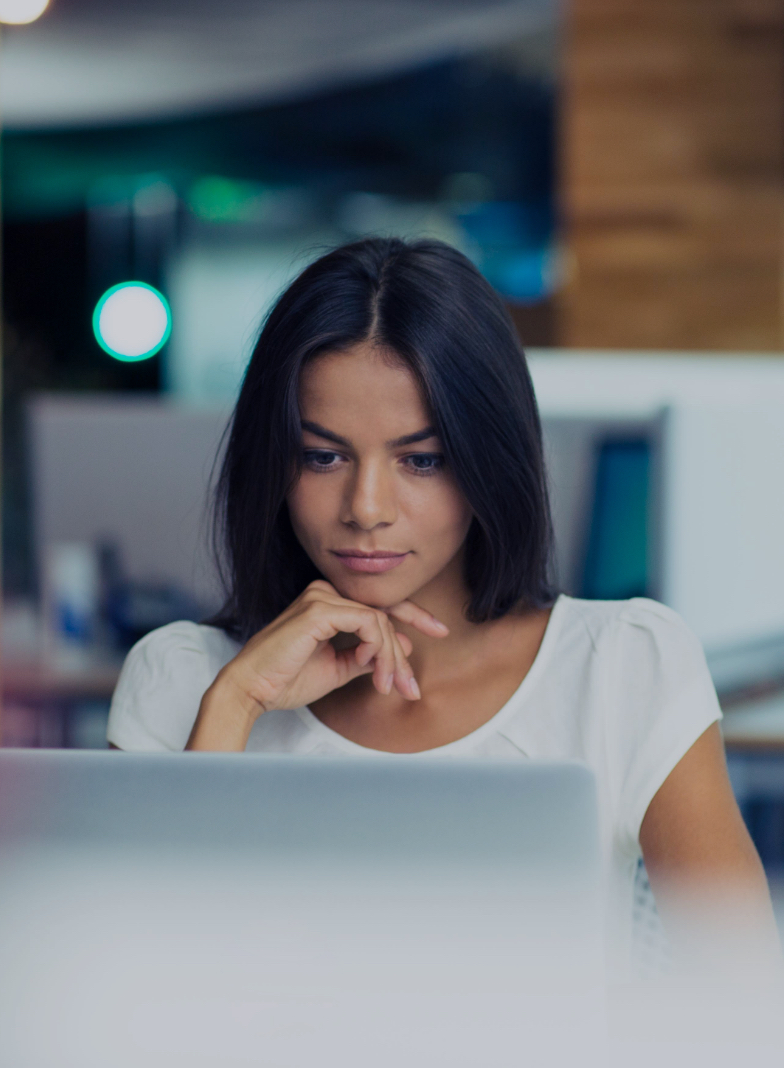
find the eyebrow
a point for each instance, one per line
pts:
(397, 443)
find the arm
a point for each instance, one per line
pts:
(704, 870)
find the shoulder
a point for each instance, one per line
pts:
(641, 649)
(606, 622)
(601, 659)
(162, 682)
(629, 639)
(184, 635)
(636, 665)
(170, 651)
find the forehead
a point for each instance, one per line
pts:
(362, 389)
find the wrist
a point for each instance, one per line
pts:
(225, 718)
(228, 693)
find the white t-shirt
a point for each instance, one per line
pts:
(621, 686)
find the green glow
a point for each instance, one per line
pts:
(217, 199)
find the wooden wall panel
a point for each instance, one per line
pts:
(673, 163)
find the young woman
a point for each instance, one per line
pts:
(387, 537)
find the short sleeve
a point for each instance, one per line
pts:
(663, 700)
(160, 688)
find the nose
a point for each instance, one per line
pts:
(370, 499)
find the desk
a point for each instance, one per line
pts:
(48, 703)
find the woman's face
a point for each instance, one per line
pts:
(374, 507)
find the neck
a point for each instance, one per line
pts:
(447, 598)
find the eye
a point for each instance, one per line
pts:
(424, 463)
(320, 459)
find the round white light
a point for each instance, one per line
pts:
(132, 321)
(18, 12)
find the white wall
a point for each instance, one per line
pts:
(723, 520)
(625, 384)
(134, 471)
(219, 294)
(721, 491)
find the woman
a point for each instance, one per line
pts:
(387, 535)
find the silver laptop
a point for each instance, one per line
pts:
(220, 910)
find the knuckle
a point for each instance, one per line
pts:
(317, 586)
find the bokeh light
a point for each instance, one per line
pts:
(132, 321)
(18, 12)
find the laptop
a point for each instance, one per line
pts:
(235, 909)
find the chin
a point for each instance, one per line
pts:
(372, 590)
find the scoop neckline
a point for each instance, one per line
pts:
(311, 720)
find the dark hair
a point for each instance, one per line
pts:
(425, 302)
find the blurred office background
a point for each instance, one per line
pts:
(614, 170)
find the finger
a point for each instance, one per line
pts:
(377, 641)
(405, 683)
(374, 631)
(404, 611)
(405, 643)
(314, 592)
(386, 666)
(326, 619)
(318, 589)
(391, 667)
(364, 653)
(408, 612)
(374, 653)
(348, 668)
(404, 680)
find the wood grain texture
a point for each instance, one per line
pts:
(673, 162)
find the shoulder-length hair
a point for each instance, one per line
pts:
(425, 302)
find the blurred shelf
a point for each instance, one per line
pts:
(756, 724)
(48, 680)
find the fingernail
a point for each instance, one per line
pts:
(441, 626)
(414, 688)
(389, 683)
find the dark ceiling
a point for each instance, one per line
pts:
(88, 62)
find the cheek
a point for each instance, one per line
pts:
(310, 505)
(444, 516)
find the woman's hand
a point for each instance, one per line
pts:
(293, 661)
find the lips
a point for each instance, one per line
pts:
(370, 563)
